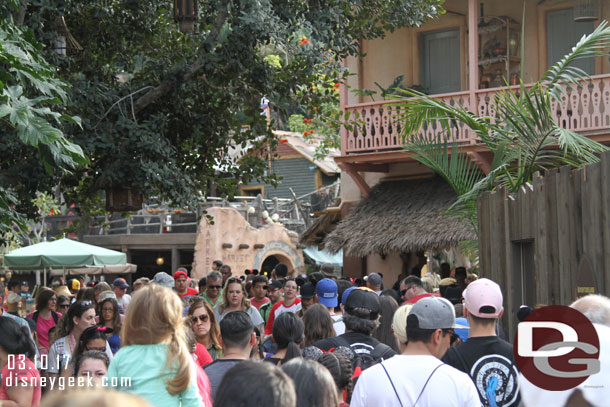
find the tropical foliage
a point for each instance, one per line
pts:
(160, 109)
(523, 136)
(31, 119)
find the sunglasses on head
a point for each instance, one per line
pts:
(202, 318)
(85, 304)
(234, 280)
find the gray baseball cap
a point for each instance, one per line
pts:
(164, 279)
(374, 279)
(434, 313)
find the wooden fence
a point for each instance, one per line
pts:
(550, 242)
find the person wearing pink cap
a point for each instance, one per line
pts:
(488, 359)
(181, 283)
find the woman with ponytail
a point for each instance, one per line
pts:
(154, 352)
(20, 384)
(287, 335)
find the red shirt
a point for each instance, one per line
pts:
(257, 304)
(419, 297)
(189, 291)
(23, 372)
(202, 356)
(278, 309)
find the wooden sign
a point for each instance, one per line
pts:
(586, 282)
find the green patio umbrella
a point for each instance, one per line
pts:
(62, 253)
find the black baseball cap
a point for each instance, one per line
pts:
(275, 284)
(363, 303)
(307, 291)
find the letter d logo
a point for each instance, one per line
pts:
(526, 338)
(556, 348)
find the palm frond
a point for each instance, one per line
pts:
(562, 74)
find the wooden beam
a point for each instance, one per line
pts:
(473, 53)
(369, 167)
(364, 187)
(483, 161)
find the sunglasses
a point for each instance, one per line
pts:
(85, 304)
(202, 318)
(99, 349)
(215, 287)
(234, 280)
(63, 305)
(454, 336)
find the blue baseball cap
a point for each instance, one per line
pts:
(346, 293)
(327, 292)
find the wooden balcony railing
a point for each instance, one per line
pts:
(582, 109)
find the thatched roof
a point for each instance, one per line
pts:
(316, 232)
(400, 216)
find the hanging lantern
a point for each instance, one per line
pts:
(586, 10)
(185, 14)
(65, 43)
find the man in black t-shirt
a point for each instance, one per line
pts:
(484, 356)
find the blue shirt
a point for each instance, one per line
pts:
(145, 366)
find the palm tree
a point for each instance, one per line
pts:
(523, 136)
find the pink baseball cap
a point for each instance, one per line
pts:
(483, 293)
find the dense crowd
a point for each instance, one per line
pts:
(314, 340)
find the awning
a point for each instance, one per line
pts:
(400, 217)
(97, 270)
(62, 253)
(324, 256)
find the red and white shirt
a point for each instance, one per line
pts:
(278, 309)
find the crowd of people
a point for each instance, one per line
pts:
(278, 340)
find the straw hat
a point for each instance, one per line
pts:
(63, 290)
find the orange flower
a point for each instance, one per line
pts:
(305, 133)
(311, 132)
(304, 41)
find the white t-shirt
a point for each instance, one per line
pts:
(447, 387)
(124, 301)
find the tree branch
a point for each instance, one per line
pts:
(168, 85)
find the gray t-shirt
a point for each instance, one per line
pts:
(216, 371)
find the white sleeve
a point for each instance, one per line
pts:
(471, 395)
(255, 316)
(359, 395)
(53, 366)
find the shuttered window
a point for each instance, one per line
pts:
(562, 33)
(440, 62)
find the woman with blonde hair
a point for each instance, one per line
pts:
(154, 353)
(203, 323)
(234, 299)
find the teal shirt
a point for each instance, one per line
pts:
(145, 365)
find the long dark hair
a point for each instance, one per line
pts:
(383, 332)
(66, 323)
(308, 375)
(15, 339)
(116, 316)
(288, 334)
(317, 324)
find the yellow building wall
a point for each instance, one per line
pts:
(398, 53)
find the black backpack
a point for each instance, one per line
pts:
(364, 360)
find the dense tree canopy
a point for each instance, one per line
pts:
(159, 108)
